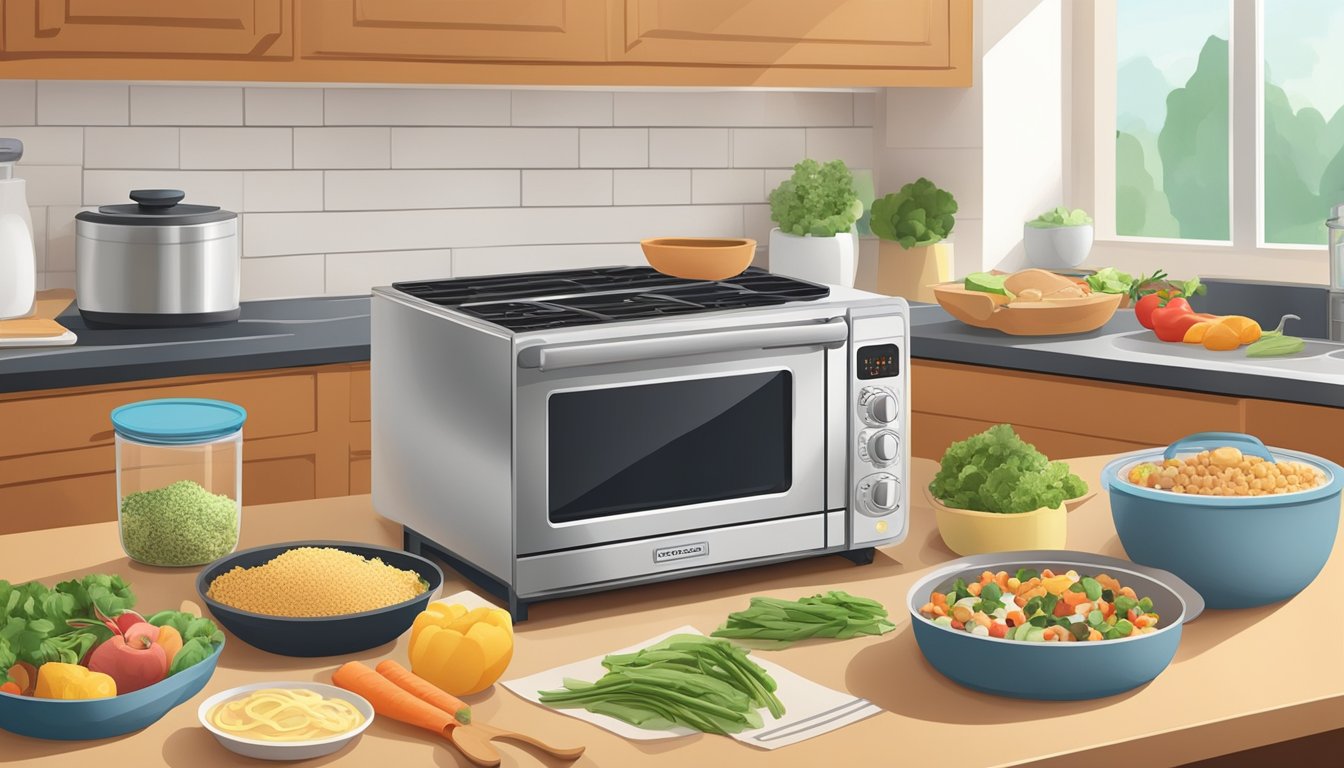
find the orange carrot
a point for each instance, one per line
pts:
(10, 687)
(390, 701)
(412, 683)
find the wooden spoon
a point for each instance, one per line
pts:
(486, 733)
(473, 744)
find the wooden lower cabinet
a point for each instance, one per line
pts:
(57, 461)
(1064, 416)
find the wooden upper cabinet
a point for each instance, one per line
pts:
(162, 29)
(879, 34)
(455, 30)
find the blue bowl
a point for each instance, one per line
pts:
(71, 720)
(1025, 670)
(1238, 551)
(323, 635)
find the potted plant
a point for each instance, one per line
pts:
(918, 218)
(1058, 238)
(816, 209)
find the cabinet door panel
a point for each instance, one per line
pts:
(221, 29)
(455, 30)
(798, 33)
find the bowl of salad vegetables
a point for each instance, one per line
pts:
(78, 662)
(998, 623)
(994, 492)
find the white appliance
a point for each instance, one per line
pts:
(557, 433)
(18, 268)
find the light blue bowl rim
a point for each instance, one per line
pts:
(141, 697)
(1110, 477)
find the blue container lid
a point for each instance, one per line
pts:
(178, 420)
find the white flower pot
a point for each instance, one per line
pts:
(1057, 247)
(830, 260)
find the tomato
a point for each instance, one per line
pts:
(1143, 310)
(1172, 321)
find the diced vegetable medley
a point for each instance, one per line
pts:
(1226, 472)
(1042, 607)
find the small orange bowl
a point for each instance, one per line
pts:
(699, 258)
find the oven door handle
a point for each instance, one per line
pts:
(547, 357)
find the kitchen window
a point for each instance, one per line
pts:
(1217, 130)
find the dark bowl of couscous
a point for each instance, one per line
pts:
(318, 598)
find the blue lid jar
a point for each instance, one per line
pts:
(178, 420)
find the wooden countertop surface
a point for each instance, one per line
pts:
(1240, 679)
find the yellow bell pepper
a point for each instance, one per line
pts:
(461, 651)
(56, 680)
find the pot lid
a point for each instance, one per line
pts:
(178, 421)
(157, 208)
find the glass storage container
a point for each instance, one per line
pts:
(179, 479)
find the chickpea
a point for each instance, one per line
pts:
(1259, 470)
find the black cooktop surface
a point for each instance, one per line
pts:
(536, 300)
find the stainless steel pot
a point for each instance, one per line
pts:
(157, 262)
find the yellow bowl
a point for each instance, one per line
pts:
(967, 532)
(699, 258)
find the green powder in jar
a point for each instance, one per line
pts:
(180, 524)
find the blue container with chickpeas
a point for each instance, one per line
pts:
(1243, 524)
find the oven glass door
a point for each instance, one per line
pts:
(632, 450)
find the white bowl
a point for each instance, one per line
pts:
(285, 750)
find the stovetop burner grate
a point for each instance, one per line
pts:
(538, 300)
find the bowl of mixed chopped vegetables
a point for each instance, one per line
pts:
(998, 623)
(1244, 524)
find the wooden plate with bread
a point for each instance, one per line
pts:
(1035, 302)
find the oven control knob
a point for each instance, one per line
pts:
(878, 406)
(883, 447)
(881, 495)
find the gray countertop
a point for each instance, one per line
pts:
(318, 331)
(269, 334)
(1123, 351)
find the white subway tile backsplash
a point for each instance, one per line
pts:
(563, 108)
(688, 148)
(343, 188)
(768, 147)
(356, 273)
(186, 105)
(613, 147)
(222, 188)
(73, 102)
(853, 145)
(535, 258)
(242, 148)
(50, 184)
(734, 108)
(58, 280)
(408, 189)
(653, 186)
(18, 102)
(48, 145)
(130, 147)
(342, 147)
(865, 109)
(282, 191)
(275, 234)
(60, 232)
(757, 225)
(282, 106)
(738, 185)
(417, 106)
(485, 148)
(282, 277)
(567, 187)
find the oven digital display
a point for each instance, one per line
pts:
(879, 361)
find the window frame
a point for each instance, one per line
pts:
(1092, 167)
